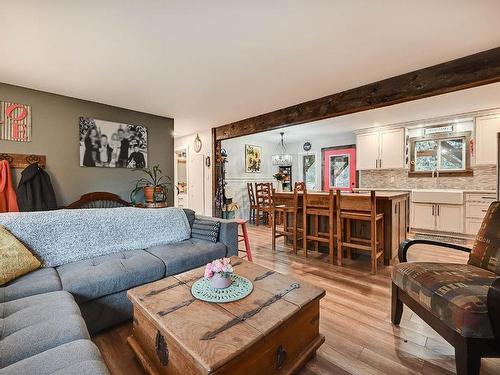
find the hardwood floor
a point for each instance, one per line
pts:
(355, 318)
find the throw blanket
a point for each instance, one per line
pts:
(65, 236)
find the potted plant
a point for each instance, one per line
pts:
(154, 185)
(229, 210)
(280, 177)
(219, 273)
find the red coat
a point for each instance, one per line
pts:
(8, 200)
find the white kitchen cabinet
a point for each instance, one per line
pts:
(487, 128)
(476, 206)
(438, 217)
(449, 217)
(392, 149)
(367, 151)
(380, 150)
(423, 216)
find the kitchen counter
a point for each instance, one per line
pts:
(410, 190)
(393, 204)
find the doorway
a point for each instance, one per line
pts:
(181, 177)
(339, 167)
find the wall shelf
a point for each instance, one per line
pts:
(23, 160)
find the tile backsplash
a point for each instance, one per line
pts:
(484, 178)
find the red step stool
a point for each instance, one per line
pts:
(244, 238)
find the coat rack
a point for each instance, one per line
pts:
(23, 160)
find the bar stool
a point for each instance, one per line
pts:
(244, 238)
(284, 205)
(315, 206)
(363, 208)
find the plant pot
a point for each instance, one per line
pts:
(280, 186)
(220, 282)
(228, 214)
(149, 196)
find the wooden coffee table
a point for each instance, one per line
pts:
(273, 330)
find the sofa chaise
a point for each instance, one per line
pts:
(48, 315)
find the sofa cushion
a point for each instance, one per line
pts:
(188, 254)
(454, 293)
(207, 230)
(15, 259)
(43, 280)
(93, 278)
(107, 311)
(190, 214)
(25, 312)
(32, 325)
(486, 250)
(76, 357)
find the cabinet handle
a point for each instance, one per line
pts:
(438, 209)
(484, 210)
(380, 163)
(432, 210)
(489, 198)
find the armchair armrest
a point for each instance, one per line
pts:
(228, 233)
(493, 302)
(405, 246)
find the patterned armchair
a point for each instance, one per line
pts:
(460, 301)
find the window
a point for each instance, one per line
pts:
(339, 171)
(309, 171)
(443, 154)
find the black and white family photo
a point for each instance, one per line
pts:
(112, 145)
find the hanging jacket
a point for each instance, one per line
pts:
(8, 202)
(35, 191)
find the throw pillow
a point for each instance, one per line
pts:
(15, 259)
(206, 230)
(486, 250)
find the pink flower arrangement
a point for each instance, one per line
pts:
(220, 266)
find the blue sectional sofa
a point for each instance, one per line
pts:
(47, 316)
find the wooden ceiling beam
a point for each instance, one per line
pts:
(474, 70)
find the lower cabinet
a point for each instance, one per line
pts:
(476, 206)
(449, 218)
(423, 216)
(439, 217)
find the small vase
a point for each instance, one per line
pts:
(280, 186)
(220, 282)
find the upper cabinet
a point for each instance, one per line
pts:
(487, 128)
(380, 150)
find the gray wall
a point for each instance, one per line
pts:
(55, 134)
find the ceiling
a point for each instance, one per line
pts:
(455, 103)
(208, 63)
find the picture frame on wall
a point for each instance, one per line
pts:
(253, 159)
(107, 144)
(15, 122)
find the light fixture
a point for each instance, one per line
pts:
(282, 158)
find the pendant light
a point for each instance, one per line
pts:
(282, 159)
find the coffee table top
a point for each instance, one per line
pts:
(215, 333)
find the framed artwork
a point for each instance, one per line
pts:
(253, 158)
(112, 144)
(15, 122)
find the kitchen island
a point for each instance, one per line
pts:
(393, 204)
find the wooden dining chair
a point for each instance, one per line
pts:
(253, 203)
(315, 206)
(286, 206)
(263, 202)
(299, 185)
(363, 208)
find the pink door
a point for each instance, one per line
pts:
(339, 169)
